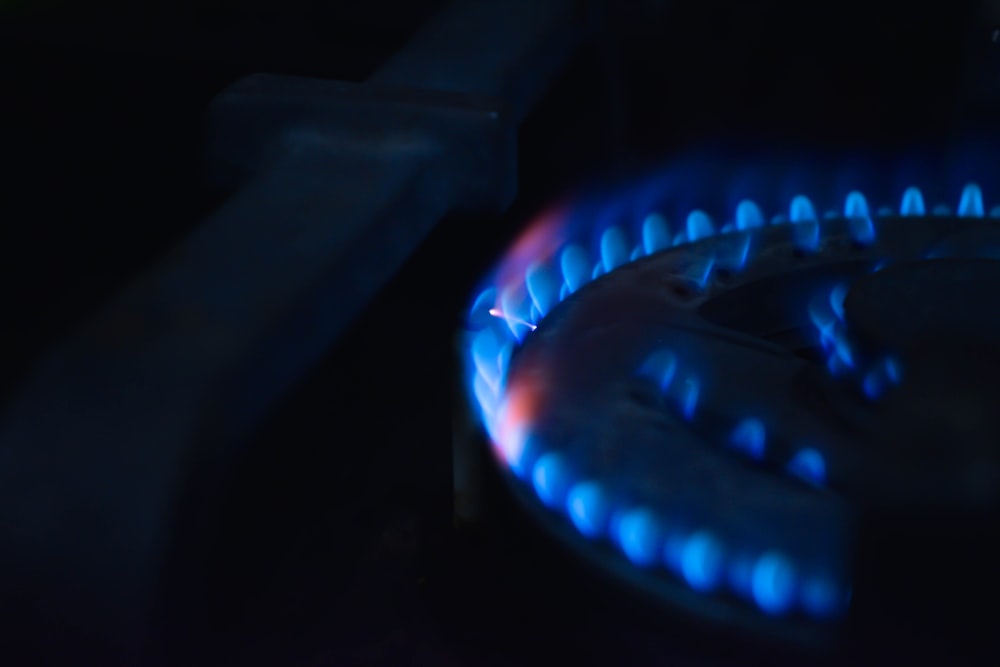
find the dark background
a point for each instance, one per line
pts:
(338, 546)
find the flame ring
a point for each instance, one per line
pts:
(512, 307)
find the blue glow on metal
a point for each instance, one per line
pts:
(551, 479)
(825, 321)
(588, 508)
(673, 552)
(941, 209)
(809, 465)
(773, 583)
(836, 366)
(749, 437)
(739, 575)
(702, 560)
(843, 350)
(744, 254)
(862, 230)
(807, 234)
(614, 248)
(829, 320)
(880, 376)
(706, 273)
(638, 534)
(821, 597)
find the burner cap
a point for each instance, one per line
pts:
(724, 418)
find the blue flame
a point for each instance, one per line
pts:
(913, 203)
(828, 317)
(543, 287)
(589, 508)
(573, 245)
(575, 267)
(809, 465)
(801, 210)
(748, 215)
(773, 583)
(552, 479)
(655, 234)
(702, 561)
(856, 206)
(660, 367)
(614, 249)
(837, 297)
(637, 533)
(749, 437)
(971, 204)
(699, 226)
(690, 393)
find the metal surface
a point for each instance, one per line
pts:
(506, 36)
(339, 184)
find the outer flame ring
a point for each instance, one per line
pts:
(527, 286)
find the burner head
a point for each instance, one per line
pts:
(707, 411)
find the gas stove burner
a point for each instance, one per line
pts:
(701, 410)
